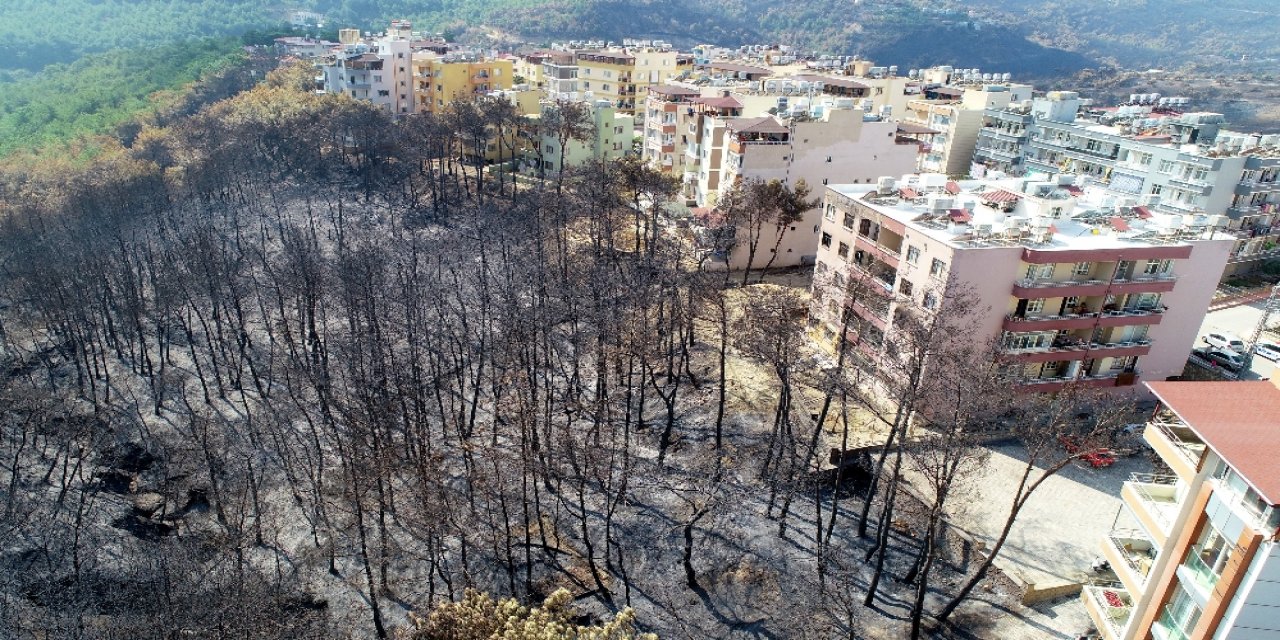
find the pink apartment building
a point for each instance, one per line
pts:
(1076, 284)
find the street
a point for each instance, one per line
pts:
(1242, 321)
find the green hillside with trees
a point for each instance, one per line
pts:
(100, 92)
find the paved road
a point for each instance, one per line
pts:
(1241, 321)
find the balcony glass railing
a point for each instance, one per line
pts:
(1166, 628)
(1202, 575)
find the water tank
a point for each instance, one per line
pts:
(884, 185)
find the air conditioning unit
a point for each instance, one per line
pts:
(884, 185)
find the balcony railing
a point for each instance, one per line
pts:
(1113, 313)
(1159, 493)
(1136, 551)
(1038, 284)
(1167, 629)
(1183, 439)
(1110, 608)
(1201, 574)
(1082, 346)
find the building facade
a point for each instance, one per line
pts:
(1204, 558)
(1176, 162)
(441, 79)
(614, 132)
(623, 76)
(1074, 290)
(827, 146)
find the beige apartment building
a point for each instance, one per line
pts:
(1204, 559)
(1075, 287)
(828, 146)
(950, 125)
(624, 76)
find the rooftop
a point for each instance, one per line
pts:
(1238, 420)
(1058, 213)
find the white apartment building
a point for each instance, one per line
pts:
(832, 144)
(377, 70)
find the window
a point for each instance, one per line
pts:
(1121, 364)
(930, 300)
(913, 254)
(826, 240)
(1039, 271)
(937, 268)
(1018, 341)
(819, 268)
(838, 281)
(1055, 213)
(1083, 268)
(1156, 189)
(1165, 167)
(905, 287)
(830, 213)
(1035, 306)
(843, 251)
(1152, 268)
(848, 221)
(1180, 616)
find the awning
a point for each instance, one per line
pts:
(911, 128)
(953, 188)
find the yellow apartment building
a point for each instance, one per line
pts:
(439, 80)
(623, 76)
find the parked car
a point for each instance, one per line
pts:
(1268, 350)
(1228, 360)
(1225, 341)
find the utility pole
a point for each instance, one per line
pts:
(1272, 304)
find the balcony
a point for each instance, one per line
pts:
(1081, 350)
(1178, 446)
(1131, 554)
(883, 253)
(1153, 283)
(1113, 318)
(1089, 381)
(1166, 628)
(1154, 500)
(1109, 608)
(1198, 574)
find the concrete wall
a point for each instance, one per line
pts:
(1173, 339)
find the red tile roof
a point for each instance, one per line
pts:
(959, 215)
(908, 193)
(1073, 189)
(999, 195)
(953, 188)
(727, 102)
(1119, 224)
(1142, 212)
(1239, 420)
(764, 124)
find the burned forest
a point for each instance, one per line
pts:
(291, 368)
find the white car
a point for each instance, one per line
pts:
(1268, 350)
(1225, 341)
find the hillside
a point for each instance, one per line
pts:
(1029, 37)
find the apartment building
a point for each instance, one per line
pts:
(1204, 558)
(623, 76)
(560, 76)
(375, 70)
(442, 78)
(951, 124)
(1176, 162)
(614, 132)
(1076, 289)
(826, 146)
